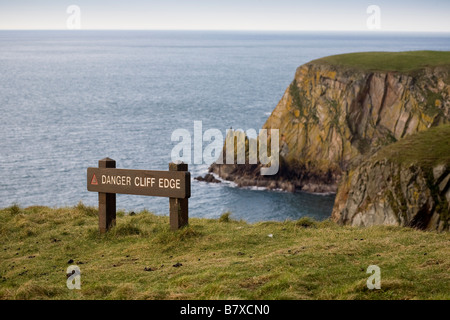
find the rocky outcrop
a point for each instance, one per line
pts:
(332, 117)
(207, 178)
(409, 190)
(385, 193)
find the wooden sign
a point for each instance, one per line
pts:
(172, 184)
(107, 181)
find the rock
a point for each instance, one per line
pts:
(443, 185)
(384, 190)
(70, 273)
(176, 265)
(438, 171)
(208, 178)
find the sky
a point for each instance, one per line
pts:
(276, 15)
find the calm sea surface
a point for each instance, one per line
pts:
(70, 98)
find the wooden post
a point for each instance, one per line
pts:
(107, 181)
(178, 207)
(106, 202)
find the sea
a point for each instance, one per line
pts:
(70, 98)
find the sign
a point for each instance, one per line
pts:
(172, 184)
(107, 181)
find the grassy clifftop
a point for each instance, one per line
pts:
(427, 148)
(406, 62)
(213, 259)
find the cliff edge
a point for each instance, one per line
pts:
(405, 184)
(341, 109)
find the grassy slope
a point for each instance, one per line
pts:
(219, 259)
(408, 61)
(427, 148)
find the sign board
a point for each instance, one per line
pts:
(107, 181)
(172, 184)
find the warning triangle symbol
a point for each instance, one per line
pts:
(94, 180)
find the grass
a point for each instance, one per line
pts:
(427, 148)
(225, 217)
(407, 61)
(142, 259)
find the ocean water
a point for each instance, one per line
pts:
(70, 98)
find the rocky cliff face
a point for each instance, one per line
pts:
(407, 189)
(332, 117)
(383, 193)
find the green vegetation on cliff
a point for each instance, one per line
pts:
(213, 259)
(427, 148)
(406, 62)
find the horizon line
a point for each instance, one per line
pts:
(241, 30)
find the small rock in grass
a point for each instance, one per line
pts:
(70, 273)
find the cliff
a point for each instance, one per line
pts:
(406, 184)
(341, 109)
